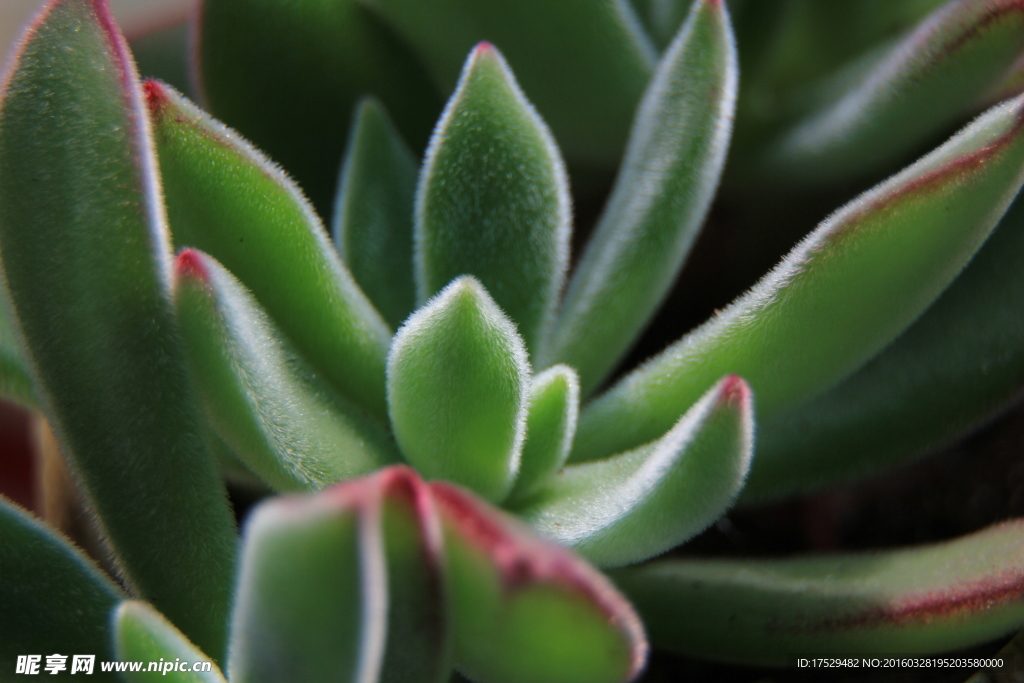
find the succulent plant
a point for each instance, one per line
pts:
(175, 308)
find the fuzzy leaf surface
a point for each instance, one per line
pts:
(927, 599)
(144, 635)
(668, 179)
(493, 200)
(850, 287)
(44, 575)
(288, 75)
(930, 78)
(458, 384)
(373, 212)
(86, 257)
(274, 413)
(551, 418)
(225, 198)
(636, 505)
(954, 368)
(584, 63)
(525, 609)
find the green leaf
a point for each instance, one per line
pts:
(662, 18)
(527, 610)
(143, 635)
(493, 199)
(287, 75)
(457, 390)
(928, 81)
(636, 505)
(347, 585)
(15, 376)
(955, 367)
(584, 62)
(919, 600)
(668, 179)
(551, 419)
(373, 213)
(86, 256)
(274, 413)
(226, 198)
(53, 597)
(851, 286)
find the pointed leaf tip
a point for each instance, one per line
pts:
(190, 264)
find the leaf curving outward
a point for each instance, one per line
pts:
(224, 197)
(346, 585)
(928, 599)
(86, 258)
(583, 62)
(932, 77)
(493, 200)
(53, 597)
(288, 75)
(273, 412)
(372, 224)
(141, 634)
(854, 284)
(668, 179)
(958, 365)
(528, 610)
(630, 507)
(458, 385)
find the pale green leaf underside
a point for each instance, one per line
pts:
(665, 186)
(630, 507)
(920, 600)
(855, 283)
(142, 634)
(274, 413)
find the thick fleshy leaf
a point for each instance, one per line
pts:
(288, 75)
(272, 411)
(527, 610)
(583, 62)
(551, 418)
(226, 198)
(931, 78)
(493, 200)
(53, 598)
(847, 290)
(670, 173)
(141, 634)
(458, 385)
(633, 506)
(347, 585)
(15, 376)
(86, 256)
(955, 367)
(373, 212)
(920, 600)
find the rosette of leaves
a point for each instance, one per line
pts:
(177, 311)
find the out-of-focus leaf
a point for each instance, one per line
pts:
(931, 78)
(143, 635)
(373, 215)
(86, 257)
(15, 377)
(273, 412)
(630, 507)
(929, 599)
(854, 284)
(583, 62)
(951, 370)
(288, 75)
(550, 427)
(493, 200)
(52, 597)
(662, 18)
(527, 610)
(347, 585)
(458, 385)
(671, 170)
(163, 52)
(226, 198)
